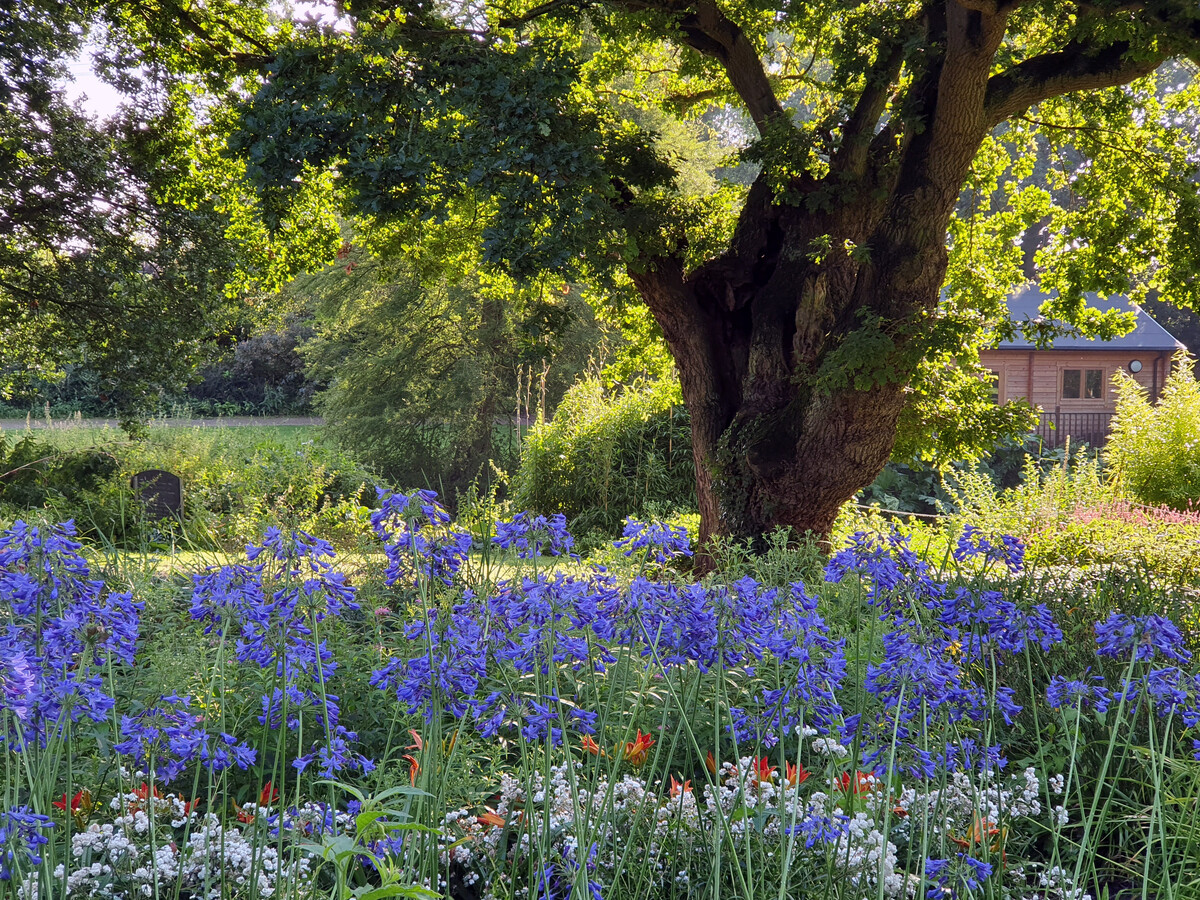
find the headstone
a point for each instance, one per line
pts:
(160, 492)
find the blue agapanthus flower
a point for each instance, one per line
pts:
(1146, 637)
(21, 834)
(530, 536)
(657, 540)
(956, 878)
(1063, 692)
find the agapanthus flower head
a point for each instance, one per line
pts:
(398, 513)
(951, 879)
(418, 539)
(530, 536)
(1146, 637)
(168, 737)
(888, 565)
(1064, 692)
(18, 675)
(657, 540)
(21, 834)
(972, 543)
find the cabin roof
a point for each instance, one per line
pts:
(1147, 334)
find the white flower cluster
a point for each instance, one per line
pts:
(154, 845)
(854, 827)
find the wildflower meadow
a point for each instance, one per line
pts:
(486, 715)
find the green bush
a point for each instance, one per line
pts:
(608, 455)
(34, 472)
(236, 482)
(1154, 450)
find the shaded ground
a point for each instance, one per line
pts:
(217, 422)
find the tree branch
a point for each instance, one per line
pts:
(707, 30)
(714, 34)
(1076, 67)
(860, 127)
(536, 13)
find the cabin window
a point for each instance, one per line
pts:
(1083, 384)
(994, 385)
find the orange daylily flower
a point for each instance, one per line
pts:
(590, 745)
(81, 806)
(636, 751)
(414, 769)
(677, 788)
(763, 771)
(983, 832)
(490, 818)
(82, 800)
(862, 782)
(710, 763)
(418, 743)
(143, 795)
(795, 774)
(266, 797)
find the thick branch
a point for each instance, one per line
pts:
(706, 29)
(860, 127)
(714, 34)
(1074, 68)
(537, 12)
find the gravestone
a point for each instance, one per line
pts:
(160, 492)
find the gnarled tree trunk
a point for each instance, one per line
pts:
(795, 347)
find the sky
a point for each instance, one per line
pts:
(97, 98)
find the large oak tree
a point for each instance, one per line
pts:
(836, 292)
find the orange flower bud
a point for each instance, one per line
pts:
(636, 751)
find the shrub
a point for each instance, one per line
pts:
(1154, 450)
(33, 472)
(607, 455)
(236, 482)
(1044, 500)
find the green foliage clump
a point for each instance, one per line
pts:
(609, 454)
(1076, 516)
(34, 472)
(1154, 450)
(236, 482)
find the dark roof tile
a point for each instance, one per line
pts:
(1023, 305)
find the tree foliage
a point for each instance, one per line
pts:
(423, 355)
(123, 243)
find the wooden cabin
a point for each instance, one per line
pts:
(1072, 382)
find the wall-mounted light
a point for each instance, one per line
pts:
(1135, 366)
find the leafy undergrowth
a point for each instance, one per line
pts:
(235, 482)
(446, 725)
